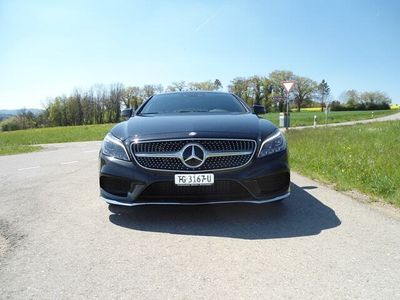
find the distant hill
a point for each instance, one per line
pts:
(8, 113)
(14, 112)
(5, 116)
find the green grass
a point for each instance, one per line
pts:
(363, 157)
(21, 141)
(307, 118)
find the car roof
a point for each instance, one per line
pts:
(194, 92)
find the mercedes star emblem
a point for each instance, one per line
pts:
(193, 155)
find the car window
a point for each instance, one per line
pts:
(193, 103)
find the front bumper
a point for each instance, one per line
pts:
(263, 180)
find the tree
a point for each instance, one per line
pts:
(42, 118)
(25, 119)
(55, 112)
(176, 86)
(323, 91)
(350, 98)
(202, 86)
(89, 106)
(276, 77)
(375, 97)
(267, 93)
(304, 90)
(217, 84)
(253, 90)
(73, 107)
(117, 92)
(256, 89)
(100, 101)
(240, 86)
(151, 89)
(260, 90)
(21, 118)
(132, 96)
(375, 100)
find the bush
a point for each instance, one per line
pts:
(377, 106)
(10, 124)
(337, 106)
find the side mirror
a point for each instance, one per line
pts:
(259, 109)
(126, 113)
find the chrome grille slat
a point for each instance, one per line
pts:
(222, 154)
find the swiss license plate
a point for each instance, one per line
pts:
(194, 179)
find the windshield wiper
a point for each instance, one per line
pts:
(189, 111)
(149, 113)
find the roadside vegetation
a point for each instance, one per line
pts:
(100, 104)
(21, 141)
(363, 157)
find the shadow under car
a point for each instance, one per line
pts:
(300, 215)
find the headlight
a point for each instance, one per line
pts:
(273, 144)
(114, 147)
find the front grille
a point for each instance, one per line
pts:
(158, 147)
(220, 154)
(223, 190)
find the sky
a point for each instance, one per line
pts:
(48, 48)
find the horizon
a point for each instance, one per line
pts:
(57, 47)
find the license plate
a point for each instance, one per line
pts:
(194, 179)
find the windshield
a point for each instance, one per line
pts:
(193, 103)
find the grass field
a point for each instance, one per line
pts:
(305, 118)
(25, 140)
(21, 141)
(363, 157)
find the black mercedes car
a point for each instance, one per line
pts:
(194, 148)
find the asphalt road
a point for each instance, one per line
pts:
(60, 241)
(393, 117)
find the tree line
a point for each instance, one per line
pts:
(268, 91)
(102, 104)
(354, 100)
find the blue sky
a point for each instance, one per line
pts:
(50, 47)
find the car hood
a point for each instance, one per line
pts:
(193, 126)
